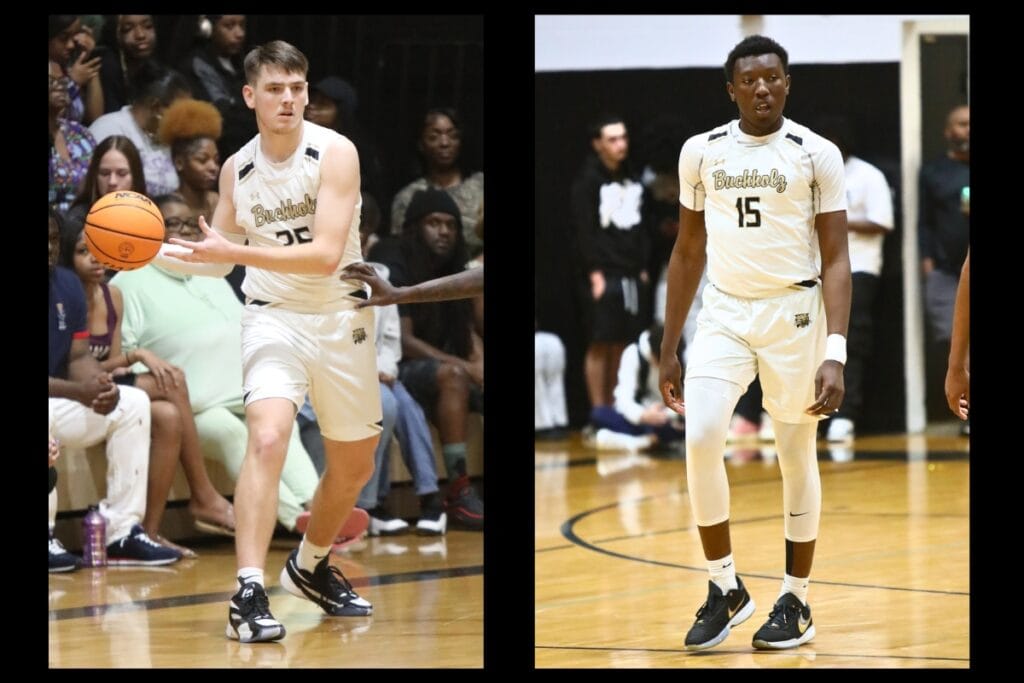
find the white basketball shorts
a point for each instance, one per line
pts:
(332, 356)
(782, 338)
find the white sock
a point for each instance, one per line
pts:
(310, 554)
(723, 573)
(795, 585)
(251, 575)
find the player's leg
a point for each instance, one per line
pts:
(345, 393)
(720, 366)
(788, 364)
(276, 353)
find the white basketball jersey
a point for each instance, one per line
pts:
(759, 196)
(275, 203)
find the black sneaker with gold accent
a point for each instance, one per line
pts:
(718, 614)
(788, 625)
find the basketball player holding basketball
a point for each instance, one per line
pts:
(293, 192)
(760, 197)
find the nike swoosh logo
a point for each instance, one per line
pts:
(732, 612)
(726, 566)
(794, 514)
(802, 624)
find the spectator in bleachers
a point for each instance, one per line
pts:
(153, 89)
(132, 42)
(174, 436)
(115, 165)
(190, 128)
(86, 407)
(71, 145)
(443, 364)
(332, 104)
(71, 49)
(214, 68)
(439, 144)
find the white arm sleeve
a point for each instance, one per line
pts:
(208, 269)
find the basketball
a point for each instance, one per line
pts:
(124, 230)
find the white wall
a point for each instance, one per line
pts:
(574, 43)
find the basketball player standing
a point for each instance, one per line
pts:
(295, 185)
(760, 197)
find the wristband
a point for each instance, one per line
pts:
(835, 348)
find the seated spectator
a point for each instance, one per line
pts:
(217, 75)
(153, 89)
(174, 436)
(549, 413)
(439, 144)
(71, 145)
(332, 104)
(132, 38)
(639, 410)
(443, 356)
(71, 50)
(115, 165)
(82, 402)
(190, 128)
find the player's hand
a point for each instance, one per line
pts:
(958, 391)
(383, 293)
(475, 369)
(669, 375)
(829, 389)
(654, 415)
(386, 378)
(213, 248)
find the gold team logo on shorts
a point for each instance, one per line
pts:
(802, 319)
(359, 335)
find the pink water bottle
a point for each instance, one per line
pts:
(94, 539)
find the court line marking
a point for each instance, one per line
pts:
(205, 598)
(805, 654)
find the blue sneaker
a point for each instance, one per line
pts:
(139, 549)
(326, 586)
(60, 559)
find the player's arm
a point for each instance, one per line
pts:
(464, 285)
(837, 285)
(685, 266)
(335, 205)
(958, 377)
(183, 256)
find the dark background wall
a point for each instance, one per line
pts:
(399, 65)
(565, 102)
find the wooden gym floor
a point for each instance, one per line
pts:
(620, 573)
(427, 594)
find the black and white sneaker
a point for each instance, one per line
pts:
(383, 523)
(326, 586)
(60, 559)
(788, 625)
(249, 617)
(718, 614)
(139, 549)
(432, 522)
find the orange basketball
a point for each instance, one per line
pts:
(124, 230)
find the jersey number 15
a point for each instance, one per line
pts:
(747, 209)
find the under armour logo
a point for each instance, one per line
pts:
(359, 335)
